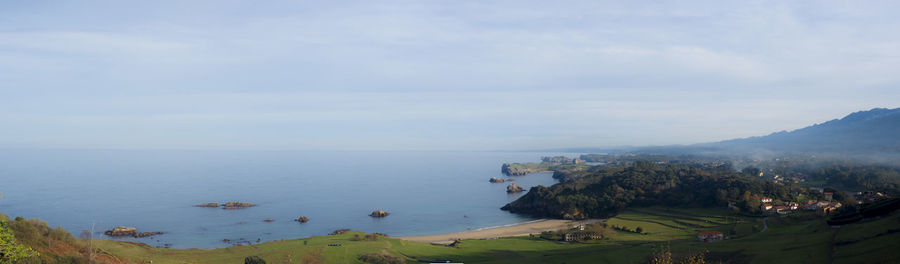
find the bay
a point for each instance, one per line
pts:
(154, 190)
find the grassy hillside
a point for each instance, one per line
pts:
(52, 245)
(797, 238)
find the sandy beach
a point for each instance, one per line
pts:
(523, 229)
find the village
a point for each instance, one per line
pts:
(822, 208)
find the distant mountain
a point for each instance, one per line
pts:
(862, 134)
(876, 130)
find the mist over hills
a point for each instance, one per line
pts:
(859, 134)
(876, 130)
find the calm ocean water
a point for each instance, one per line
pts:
(425, 192)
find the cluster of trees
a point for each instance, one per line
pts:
(637, 230)
(366, 237)
(860, 177)
(835, 172)
(605, 192)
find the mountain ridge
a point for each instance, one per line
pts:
(870, 130)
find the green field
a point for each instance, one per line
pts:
(797, 238)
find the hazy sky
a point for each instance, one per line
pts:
(435, 75)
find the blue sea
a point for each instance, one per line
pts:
(425, 192)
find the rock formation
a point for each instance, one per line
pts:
(513, 188)
(121, 231)
(497, 180)
(302, 219)
(228, 205)
(379, 213)
(269, 220)
(237, 205)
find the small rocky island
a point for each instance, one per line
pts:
(237, 205)
(121, 231)
(514, 188)
(497, 180)
(228, 205)
(379, 213)
(302, 219)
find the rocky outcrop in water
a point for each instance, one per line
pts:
(302, 219)
(228, 205)
(121, 231)
(379, 213)
(497, 180)
(237, 205)
(269, 220)
(513, 188)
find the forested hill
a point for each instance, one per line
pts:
(605, 192)
(873, 130)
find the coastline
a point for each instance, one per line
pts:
(520, 229)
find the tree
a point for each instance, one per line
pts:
(10, 251)
(639, 230)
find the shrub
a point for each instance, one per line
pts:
(254, 260)
(12, 252)
(381, 258)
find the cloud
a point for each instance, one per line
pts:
(435, 75)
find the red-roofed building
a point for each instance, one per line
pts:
(782, 209)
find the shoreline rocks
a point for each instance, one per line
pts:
(497, 180)
(513, 188)
(302, 219)
(121, 231)
(379, 213)
(207, 205)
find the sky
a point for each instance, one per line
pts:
(435, 75)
